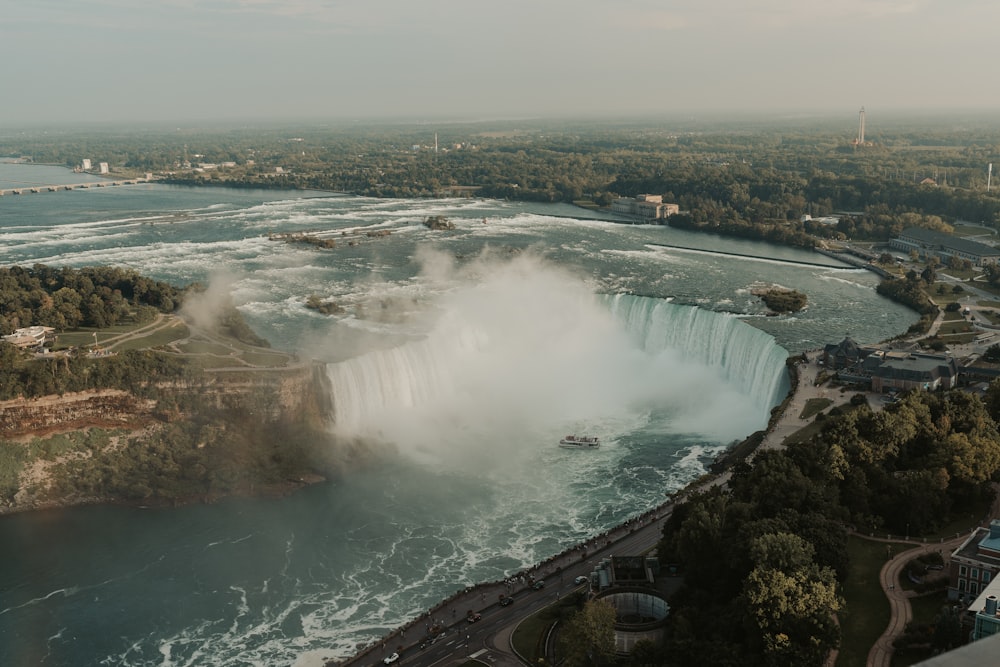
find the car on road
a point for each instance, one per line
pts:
(580, 580)
(474, 618)
(389, 659)
(506, 601)
(538, 585)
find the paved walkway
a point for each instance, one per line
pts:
(900, 611)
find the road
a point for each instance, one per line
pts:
(491, 634)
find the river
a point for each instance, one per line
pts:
(470, 351)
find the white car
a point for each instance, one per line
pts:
(580, 580)
(389, 659)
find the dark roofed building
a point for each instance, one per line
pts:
(844, 354)
(915, 371)
(928, 242)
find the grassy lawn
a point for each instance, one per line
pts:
(530, 633)
(954, 327)
(987, 287)
(814, 406)
(205, 347)
(992, 316)
(925, 610)
(867, 612)
(157, 338)
(806, 433)
(267, 360)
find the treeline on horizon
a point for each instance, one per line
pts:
(753, 179)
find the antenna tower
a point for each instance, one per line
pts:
(989, 176)
(861, 127)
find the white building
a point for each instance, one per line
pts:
(29, 336)
(85, 164)
(103, 167)
(649, 207)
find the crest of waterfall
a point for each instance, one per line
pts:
(745, 355)
(613, 352)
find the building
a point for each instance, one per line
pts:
(985, 619)
(929, 243)
(103, 167)
(887, 370)
(628, 584)
(844, 354)
(902, 372)
(29, 337)
(85, 164)
(974, 564)
(649, 207)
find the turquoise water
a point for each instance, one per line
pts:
(468, 352)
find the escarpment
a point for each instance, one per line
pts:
(224, 433)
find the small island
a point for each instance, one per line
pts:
(438, 222)
(781, 300)
(328, 307)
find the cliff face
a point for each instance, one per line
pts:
(229, 433)
(43, 416)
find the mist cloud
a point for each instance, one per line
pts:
(520, 352)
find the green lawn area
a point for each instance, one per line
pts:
(530, 633)
(806, 433)
(987, 287)
(992, 316)
(814, 406)
(276, 359)
(205, 347)
(954, 327)
(157, 338)
(867, 610)
(925, 610)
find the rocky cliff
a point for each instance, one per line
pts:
(227, 433)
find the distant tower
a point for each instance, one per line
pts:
(989, 177)
(861, 127)
(435, 142)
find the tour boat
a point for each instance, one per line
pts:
(580, 442)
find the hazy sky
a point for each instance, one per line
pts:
(174, 60)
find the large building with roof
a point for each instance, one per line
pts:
(902, 372)
(930, 243)
(28, 337)
(975, 564)
(649, 207)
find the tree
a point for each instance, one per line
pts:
(589, 637)
(791, 601)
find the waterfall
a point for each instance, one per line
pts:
(745, 355)
(561, 358)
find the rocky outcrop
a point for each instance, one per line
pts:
(228, 433)
(109, 408)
